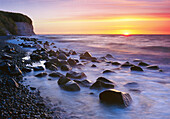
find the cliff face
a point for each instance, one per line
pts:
(15, 24)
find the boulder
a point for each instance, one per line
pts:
(26, 69)
(87, 54)
(93, 65)
(71, 86)
(38, 68)
(53, 68)
(136, 68)
(153, 67)
(55, 74)
(108, 71)
(65, 67)
(116, 63)
(62, 56)
(14, 70)
(101, 83)
(6, 57)
(4, 66)
(43, 74)
(76, 75)
(109, 56)
(112, 96)
(63, 80)
(143, 64)
(85, 83)
(72, 62)
(127, 64)
(35, 57)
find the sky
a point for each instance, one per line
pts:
(94, 16)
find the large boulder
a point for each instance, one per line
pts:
(101, 83)
(76, 75)
(136, 68)
(112, 96)
(63, 80)
(143, 64)
(71, 86)
(65, 67)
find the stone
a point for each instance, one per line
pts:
(52, 53)
(116, 63)
(136, 68)
(108, 71)
(109, 56)
(72, 62)
(143, 64)
(127, 64)
(85, 83)
(153, 67)
(14, 70)
(132, 85)
(63, 80)
(26, 69)
(35, 57)
(74, 53)
(53, 67)
(112, 96)
(47, 64)
(62, 56)
(6, 57)
(55, 74)
(87, 54)
(93, 65)
(76, 75)
(38, 68)
(103, 79)
(71, 86)
(65, 67)
(43, 74)
(32, 88)
(4, 66)
(12, 83)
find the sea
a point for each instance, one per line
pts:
(151, 97)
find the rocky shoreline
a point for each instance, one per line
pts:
(17, 101)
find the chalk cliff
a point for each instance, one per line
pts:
(15, 24)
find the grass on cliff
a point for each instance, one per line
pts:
(7, 22)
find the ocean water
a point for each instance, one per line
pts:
(151, 101)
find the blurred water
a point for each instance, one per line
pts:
(153, 100)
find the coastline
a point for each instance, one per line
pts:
(17, 101)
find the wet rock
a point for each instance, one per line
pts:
(74, 53)
(87, 54)
(65, 67)
(132, 85)
(55, 74)
(160, 70)
(12, 83)
(71, 86)
(35, 57)
(46, 43)
(4, 66)
(127, 64)
(153, 67)
(76, 75)
(62, 56)
(43, 74)
(38, 68)
(85, 83)
(14, 70)
(108, 71)
(63, 80)
(143, 64)
(32, 88)
(93, 65)
(53, 68)
(26, 69)
(101, 83)
(47, 64)
(136, 68)
(109, 56)
(52, 53)
(72, 62)
(112, 96)
(52, 43)
(6, 57)
(116, 63)
(54, 47)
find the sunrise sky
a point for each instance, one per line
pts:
(94, 16)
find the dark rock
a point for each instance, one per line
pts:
(26, 69)
(62, 56)
(116, 63)
(65, 67)
(56, 74)
(109, 56)
(35, 57)
(93, 65)
(127, 64)
(143, 64)
(46, 43)
(153, 67)
(53, 68)
(87, 54)
(74, 53)
(108, 71)
(6, 57)
(38, 68)
(43, 74)
(63, 80)
(136, 68)
(12, 83)
(115, 97)
(71, 86)
(52, 53)
(52, 43)
(72, 62)
(76, 75)
(15, 70)
(132, 85)
(40, 42)
(54, 47)
(103, 79)
(32, 88)
(4, 66)
(85, 83)
(47, 64)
